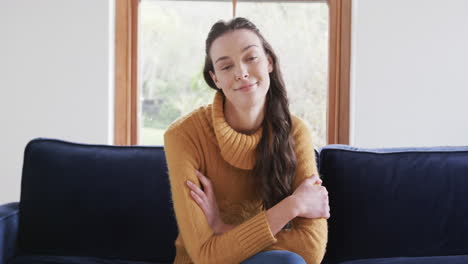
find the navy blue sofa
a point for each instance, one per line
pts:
(83, 203)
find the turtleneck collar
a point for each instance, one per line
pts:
(237, 149)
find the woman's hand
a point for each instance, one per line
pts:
(207, 202)
(312, 199)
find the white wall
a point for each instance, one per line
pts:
(409, 80)
(55, 77)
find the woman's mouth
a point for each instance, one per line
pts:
(246, 88)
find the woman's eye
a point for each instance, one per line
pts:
(252, 58)
(225, 68)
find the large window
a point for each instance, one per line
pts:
(160, 53)
(172, 38)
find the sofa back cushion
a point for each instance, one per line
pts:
(96, 200)
(396, 202)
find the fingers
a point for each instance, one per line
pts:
(327, 213)
(324, 190)
(197, 199)
(203, 197)
(327, 205)
(196, 191)
(205, 181)
(194, 188)
(200, 202)
(328, 210)
(323, 197)
(198, 196)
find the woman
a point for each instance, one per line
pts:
(243, 167)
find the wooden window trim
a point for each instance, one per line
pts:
(339, 61)
(126, 72)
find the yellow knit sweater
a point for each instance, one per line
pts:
(203, 140)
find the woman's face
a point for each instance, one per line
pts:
(241, 68)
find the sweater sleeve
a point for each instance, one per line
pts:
(202, 245)
(307, 237)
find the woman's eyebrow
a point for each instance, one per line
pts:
(244, 49)
(248, 47)
(222, 58)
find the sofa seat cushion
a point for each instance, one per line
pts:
(460, 259)
(33, 259)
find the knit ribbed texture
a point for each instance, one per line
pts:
(236, 148)
(203, 140)
(254, 233)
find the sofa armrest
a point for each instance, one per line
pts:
(9, 215)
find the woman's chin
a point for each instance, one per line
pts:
(254, 99)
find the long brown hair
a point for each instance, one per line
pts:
(275, 158)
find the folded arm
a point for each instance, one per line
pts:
(201, 243)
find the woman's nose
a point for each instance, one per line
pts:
(241, 73)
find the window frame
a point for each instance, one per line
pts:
(126, 72)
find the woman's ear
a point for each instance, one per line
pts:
(270, 64)
(213, 77)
